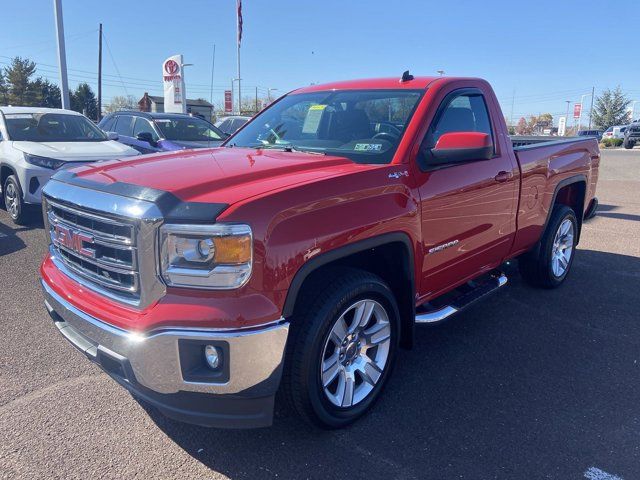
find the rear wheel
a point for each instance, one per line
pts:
(342, 349)
(549, 263)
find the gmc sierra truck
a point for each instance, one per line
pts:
(300, 255)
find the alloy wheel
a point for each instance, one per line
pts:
(562, 249)
(355, 353)
(11, 200)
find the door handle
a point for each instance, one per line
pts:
(503, 176)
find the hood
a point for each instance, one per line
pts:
(76, 151)
(219, 175)
(181, 145)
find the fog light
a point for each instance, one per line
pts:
(212, 355)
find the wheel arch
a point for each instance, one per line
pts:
(5, 171)
(572, 192)
(373, 255)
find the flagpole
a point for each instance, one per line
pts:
(238, 20)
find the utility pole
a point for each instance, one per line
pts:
(100, 73)
(62, 56)
(593, 91)
(256, 99)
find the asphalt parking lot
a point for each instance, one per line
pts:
(528, 384)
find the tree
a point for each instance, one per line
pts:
(21, 90)
(48, 93)
(121, 103)
(83, 100)
(523, 127)
(611, 109)
(3, 90)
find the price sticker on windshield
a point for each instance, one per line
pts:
(312, 120)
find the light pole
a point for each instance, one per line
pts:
(566, 117)
(269, 90)
(62, 56)
(440, 72)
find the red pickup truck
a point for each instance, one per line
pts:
(300, 255)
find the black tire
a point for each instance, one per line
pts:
(14, 201)
(311, 327)
(628, 144)
(536, 266)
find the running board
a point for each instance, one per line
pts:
(461, 302)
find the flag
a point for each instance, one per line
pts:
(239, 4)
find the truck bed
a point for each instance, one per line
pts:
(521, 142)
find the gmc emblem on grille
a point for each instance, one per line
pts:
(73, 240)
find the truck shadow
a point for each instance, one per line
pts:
(527, 379)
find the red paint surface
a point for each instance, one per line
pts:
(300, 206)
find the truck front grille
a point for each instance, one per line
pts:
(101, 250)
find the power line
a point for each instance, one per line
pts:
(106, 41)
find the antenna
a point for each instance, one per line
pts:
(406, 76)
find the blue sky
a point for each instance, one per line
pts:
(547, 51)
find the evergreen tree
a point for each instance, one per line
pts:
(611, 109)
(83, 100)
(21, 90)
(49, 93)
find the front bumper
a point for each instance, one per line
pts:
(159, 366)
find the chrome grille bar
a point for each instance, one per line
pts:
(97, 248)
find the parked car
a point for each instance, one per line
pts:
(302, 254)
(616, 131)
(35, 142)
(230, 125)
(632, 135)
(161, 132)
(597, 134)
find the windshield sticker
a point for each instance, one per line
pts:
(368, 147)
(19, 115)
(312, 120)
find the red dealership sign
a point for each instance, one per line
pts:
(228, 102)
(577, 110)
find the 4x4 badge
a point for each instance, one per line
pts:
(399, 174)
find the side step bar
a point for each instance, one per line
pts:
(461, 302)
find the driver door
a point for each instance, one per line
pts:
(468, 209)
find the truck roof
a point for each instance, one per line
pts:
(372, 84)
(10, 110)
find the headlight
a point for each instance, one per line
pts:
(215, 256)
(45, 162)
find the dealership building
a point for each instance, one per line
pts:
(198, 107)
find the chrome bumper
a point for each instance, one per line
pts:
(254, 357)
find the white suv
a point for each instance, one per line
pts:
(35, 142)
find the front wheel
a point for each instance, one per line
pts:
(628, 144)
(13, 201)
(549, 263)
(342, 350)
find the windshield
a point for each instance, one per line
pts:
(52, 127)
(188, 129)
(363, 125)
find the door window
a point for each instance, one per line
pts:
(143, 125)
(123, 125)
(466, 112)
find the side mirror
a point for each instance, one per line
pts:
(112, 135)
(458, 147)
(146, 137)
